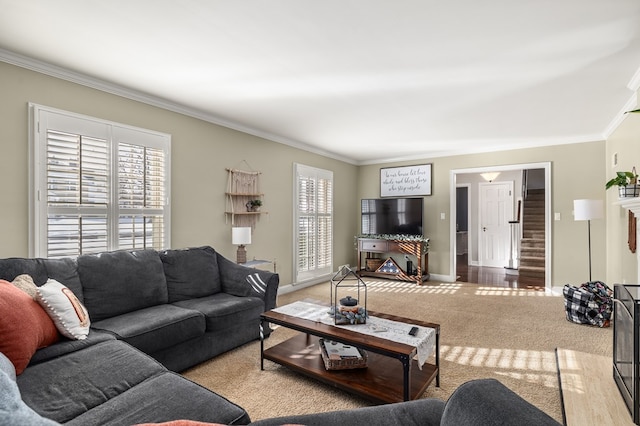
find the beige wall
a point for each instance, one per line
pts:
(201, 152)
(622, 265)
(577, 171)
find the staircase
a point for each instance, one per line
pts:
(532, 255)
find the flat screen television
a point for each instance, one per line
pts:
(392, 216)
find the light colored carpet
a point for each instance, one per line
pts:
(507, 334)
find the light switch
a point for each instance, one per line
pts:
(557, 216)
(442, 216)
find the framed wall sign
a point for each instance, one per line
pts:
(405, 181)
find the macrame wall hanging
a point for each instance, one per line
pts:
(244, 199)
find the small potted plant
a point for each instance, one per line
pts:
(254, 205)
(627, 183)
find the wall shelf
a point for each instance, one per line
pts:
(242, 187)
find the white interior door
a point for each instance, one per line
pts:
(496, 210)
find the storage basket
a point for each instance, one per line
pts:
(373, 263)
(342, 364)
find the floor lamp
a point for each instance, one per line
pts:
(587, 210)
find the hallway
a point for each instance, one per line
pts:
(493, 276)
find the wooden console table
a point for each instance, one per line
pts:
(413, 248)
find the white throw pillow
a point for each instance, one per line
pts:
(67, 312)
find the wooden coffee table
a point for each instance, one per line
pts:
(392, 374)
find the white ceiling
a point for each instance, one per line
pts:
(361, 80)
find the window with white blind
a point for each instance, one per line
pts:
(96, 185)
(313, 222)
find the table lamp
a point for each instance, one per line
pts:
(587, 210)
(240, 236)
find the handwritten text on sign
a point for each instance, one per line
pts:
(405, 181)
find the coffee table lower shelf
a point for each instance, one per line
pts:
(381, 382)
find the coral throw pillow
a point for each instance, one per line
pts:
(24, 326)
(67, 312)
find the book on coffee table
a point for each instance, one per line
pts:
(339, 351)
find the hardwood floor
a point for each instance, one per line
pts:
(496, 277)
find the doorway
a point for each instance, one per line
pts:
(465, 261)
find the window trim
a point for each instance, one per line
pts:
(319, 274)
(37, 174)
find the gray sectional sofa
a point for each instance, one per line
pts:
(150, 312)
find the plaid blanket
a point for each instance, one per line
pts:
(591, 303)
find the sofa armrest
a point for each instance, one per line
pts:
(489, 402)
(243, 281)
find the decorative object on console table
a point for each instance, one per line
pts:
(241, 236)
(417, 246)
(587, 210)
(348, 311)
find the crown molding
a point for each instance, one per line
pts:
(634, 83)
(138, 96)
(631, 103)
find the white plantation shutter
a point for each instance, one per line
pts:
(141, 196)
(97, 185)
(77, 193)
(314, 222)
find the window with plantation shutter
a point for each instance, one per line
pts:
(96, 185)
(313, 222)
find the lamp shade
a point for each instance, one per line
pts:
(241, 235)
(588, 209)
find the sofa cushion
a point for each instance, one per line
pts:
(65, 271)
(489, 402)
(65, 387)
(24, 326)
(65, 346)
(223, 310)
(164, 398)
(123, 281)
(64, 308)
(155, 328)
(14, 266)
(13, 411)
(421, 412)
(191, 273)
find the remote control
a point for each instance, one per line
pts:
(413, 331)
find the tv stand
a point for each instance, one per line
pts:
(414, 248)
